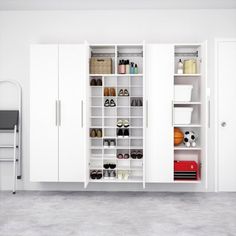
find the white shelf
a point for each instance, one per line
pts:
(187, 103)
(116, 75)
(183, 148)
(187, 181)
(187, 75)
(190, 126)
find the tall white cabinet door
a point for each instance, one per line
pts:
(72, 78)
(159, 132)
(226, 52)
(43, 128)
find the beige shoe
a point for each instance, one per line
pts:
(99, 133)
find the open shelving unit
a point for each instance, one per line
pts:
(105, 118)
(198, 101)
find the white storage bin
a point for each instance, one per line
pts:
(182, 93)
(182, 115)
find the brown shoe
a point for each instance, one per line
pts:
(112, 92)
(106, 92)
(93, 133)
(99, 133)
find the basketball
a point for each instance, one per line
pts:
(178, 136)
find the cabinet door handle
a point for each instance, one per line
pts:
(82, 113)
(147, 114)
(59, 112)
(56, 113)
(209, 113)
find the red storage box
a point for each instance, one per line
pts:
(186, 170)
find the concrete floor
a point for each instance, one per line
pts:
(123, 214)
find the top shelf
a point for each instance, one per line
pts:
(187, 75)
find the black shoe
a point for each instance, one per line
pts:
(133, 103)
(126, 92)
(112, 103)
(99, 174)
(133, 155)
(93, 174)
(99, 82)
(93, 82)
(140, 103)
(106, 103)
(120, 132)
(121, 92)
(136, 102)
(126, 132)
(139, 154)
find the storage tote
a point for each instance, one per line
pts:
(182, 115)
(190, 66)
(100, 65)
(182, 93)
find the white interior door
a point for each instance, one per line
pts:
(72, 78)
(159, 93)
(227, 116)
(43, 128)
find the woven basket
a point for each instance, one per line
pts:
(100, 65)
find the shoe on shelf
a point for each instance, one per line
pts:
(125, 175)
(112, 92)
(133, 102)
(136, 102)
(99, 133)
(119, 123)
(126, 123)
(112, 143)
(112, 103)
(106, 166)
(120, 133)
(139, 103)
(99, 174)
(106, 174)
(121, 92)
(106, 92)
(120, 174)
(139, 154)
(112, 166)
(93, 174)
(99, 82)
(120, 156)
(93, 82)
(126, 156)
(93, 133)
(133, 155)
(106, 143)
(126, 133)
(126, 92)
(106, 103)
(112, 174)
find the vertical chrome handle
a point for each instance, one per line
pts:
(82, 114)
(146, 113)
(56, 113)
(209, 114)
(59, 112)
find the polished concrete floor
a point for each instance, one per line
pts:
(123, 214)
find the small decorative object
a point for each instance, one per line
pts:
(180, 67)
(178, 136)
(190, 139)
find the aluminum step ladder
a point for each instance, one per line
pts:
(10, 123)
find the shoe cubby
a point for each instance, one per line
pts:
(116, 106)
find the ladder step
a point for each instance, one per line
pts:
(7, 146)
(7, 159)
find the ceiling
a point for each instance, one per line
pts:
(114, 4)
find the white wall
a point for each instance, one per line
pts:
(20, 28)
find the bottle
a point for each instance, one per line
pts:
(132, 68)
(180, 67)
(136, 69)
(127, 67)
(121, 67)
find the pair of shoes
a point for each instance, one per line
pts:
(137, 102)
(109, 174)
(110, 103)
(124, 92)
(96, 82)
(123, 133)
(96, 133)
(123, 156)
(109, 166)
(121, 123)
(109, 92)
(123, 174)
(109, 143)
(95, 174)
(136, 154)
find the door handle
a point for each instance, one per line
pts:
(59, 112)
(82, 113)
(223, 124)
(209, 113)
(56, 113)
